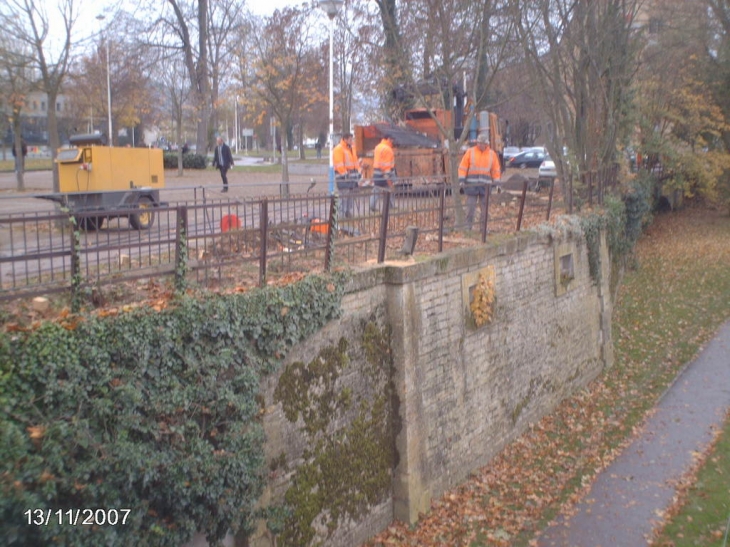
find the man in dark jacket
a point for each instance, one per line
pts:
(222, 160)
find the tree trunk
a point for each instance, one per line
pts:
(19, 157)
(54, 140)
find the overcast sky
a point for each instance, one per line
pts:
(267, 7)
(89, 9)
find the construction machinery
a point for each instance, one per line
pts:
(420, 145)
(108, 180)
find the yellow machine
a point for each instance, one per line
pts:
(112, 181)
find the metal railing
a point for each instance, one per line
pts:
(231, 241)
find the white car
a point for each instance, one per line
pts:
(546, 174)
(547, 169)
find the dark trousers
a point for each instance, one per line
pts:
(224, 176)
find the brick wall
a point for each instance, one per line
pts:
(460, 392)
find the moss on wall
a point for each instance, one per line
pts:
(348, 468)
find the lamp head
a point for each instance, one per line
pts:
(331, 7)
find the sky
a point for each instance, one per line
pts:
(267, 7)
(88, 25)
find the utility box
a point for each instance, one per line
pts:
(94, 178)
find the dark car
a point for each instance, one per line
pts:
(528, 158)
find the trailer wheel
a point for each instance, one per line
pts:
(146, 216)
(91, 224)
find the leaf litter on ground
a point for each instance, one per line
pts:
(666, 308)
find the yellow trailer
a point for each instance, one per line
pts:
(94, 177)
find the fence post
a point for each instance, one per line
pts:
(522, 204)
(384, 227)
(75, 264)
(329, 250)
(181, 248)
(264, 224)
(485, 212)
(442, 207)
(550, 199)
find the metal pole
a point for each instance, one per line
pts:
(238, 137)
(109, 93)
(332, 113)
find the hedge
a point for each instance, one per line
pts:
(190, 161)
(151, 412)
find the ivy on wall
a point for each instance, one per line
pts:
(149, 411)
(348, 470)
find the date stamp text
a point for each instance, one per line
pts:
(77, 517)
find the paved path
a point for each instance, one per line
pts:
(627, 498)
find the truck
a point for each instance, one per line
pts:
(420, 148)
(109, 181)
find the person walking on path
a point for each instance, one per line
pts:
(222, 160)
(383, 172)
(347, 173)
(626, 499)
(479, 167)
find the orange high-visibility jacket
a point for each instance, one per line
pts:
(384, 157)
(344, 159)
(479, 167)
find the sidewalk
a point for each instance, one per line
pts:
(627, 499)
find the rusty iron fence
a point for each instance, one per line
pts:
(247, 241)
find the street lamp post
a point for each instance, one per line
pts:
(235, 113)
(108, 85)
(332, 7)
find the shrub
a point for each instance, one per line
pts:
(154, 412)
(190, 161)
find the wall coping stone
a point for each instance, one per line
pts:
(410, 271)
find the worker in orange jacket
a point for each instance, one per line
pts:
(347, 173)
(478, 168)
(383, 171)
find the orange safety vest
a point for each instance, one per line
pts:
(479, 167)
(344, 158)
(384, 157)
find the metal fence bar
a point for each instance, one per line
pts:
(550, 199)
(281, 235)
(263, 221)
(181, 255)
(442, 209)
(331, 227)
(522, 205)
(384, 227)
(485, 212)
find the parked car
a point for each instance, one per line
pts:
(547, 169)
(510, 152)
(529, 158)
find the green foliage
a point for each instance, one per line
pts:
(638, 204)
(149, 411)
(623, 220)
(705, 516)
(190, 161)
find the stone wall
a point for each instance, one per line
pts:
(405, 395)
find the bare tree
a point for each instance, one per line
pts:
(130, 66)
(177, 91)
(582, 57)
(27, 23)
(454, 50)
(15, 83)
(283, 70)
(225, 21)
(189, 24)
